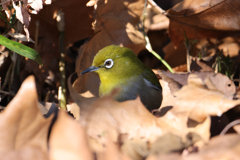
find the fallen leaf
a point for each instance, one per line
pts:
(219, 147)
(112, 152)
(36, 5)
(24, 130)
(136, 148)
(171, 53)
(173, 156)
(198, 64)
(172, 82)
(168, 143)
(168, 98)
(79, 100)
(107, 117)
(237, 128)
(203, 19)
(68, 140)
(212, 80)
(194, 100)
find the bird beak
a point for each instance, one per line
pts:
(90, 69)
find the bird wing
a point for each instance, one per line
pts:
(151, 80)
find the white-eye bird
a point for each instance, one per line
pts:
(119, 67)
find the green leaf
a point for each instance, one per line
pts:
(21, 49)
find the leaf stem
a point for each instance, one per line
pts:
(147, 41)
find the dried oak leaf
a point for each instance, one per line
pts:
(203, 19)
(197, 101)
(212, 80)
(82, 101)
(112, 119)
(22, 11)
(24, 130)
(112, 152)
(219, 147)
(116, 23)
(136, 148)
(173, 156)
(107, 117)
(68, 140)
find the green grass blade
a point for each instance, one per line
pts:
(21, 49)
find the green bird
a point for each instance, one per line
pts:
(118, 67)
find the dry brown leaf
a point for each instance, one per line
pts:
(116, 23)
(79, 100)
(174, 56)
(237, 128)
(221, 83)
(170, 143)
(36, 5)
(219, 147)
(179, 124)
(168, 99)
(203, 19)
(172, 82)
(212, 80)
(22, 11)
(112, 152)
(68, 140)
(173, 156)
(197, 102)
(136, 148)
(24, 130)
(230, 46)
(107, 117)
(198, 64)
(202, 130)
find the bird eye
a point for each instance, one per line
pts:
(108, 63)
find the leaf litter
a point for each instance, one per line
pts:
(106, 129)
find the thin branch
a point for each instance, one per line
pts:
(4, 2)
(156, 7)
(62, 88)
(230, 125)
(147, 41)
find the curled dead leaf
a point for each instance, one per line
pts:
(197, 102)
(213, 81)
(68, 140)
(24, 130)
(109, 118)
(203, 19)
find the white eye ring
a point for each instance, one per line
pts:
(108, 63)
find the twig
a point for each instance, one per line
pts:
(36, 34)
(156, 7)
(62, 87)
(2, 107)
(4, 2)
(230, 125)
(188, 46)
(7, 93)
(14, 61)
(148, 44)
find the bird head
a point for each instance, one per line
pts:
(114, 62)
